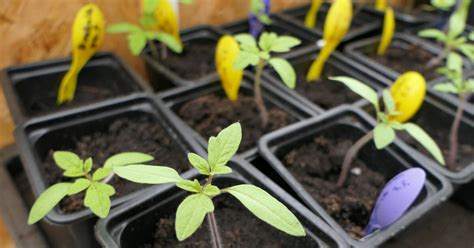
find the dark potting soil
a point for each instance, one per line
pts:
(238, 227)
(209, 114)
(123, 135)
(196, 60)
(322, 17)
(316, 165)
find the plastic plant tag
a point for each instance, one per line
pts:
(312, 15)
(380, 5)
(87, 35)
(337, 23)
(395, 199)
(388, 30)
(408, 93)
(167, 16)
(255, 24)
(227, 51)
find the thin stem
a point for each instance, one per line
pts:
(438, 59)
(109, 177)
(154, 50)
(164, 51)
(453, 138)
(258, 94)
(216, 237)
(350, 155)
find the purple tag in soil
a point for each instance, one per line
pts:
(255, 26)
(396, 197)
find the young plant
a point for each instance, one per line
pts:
(453, 40)
(192, 210)
(98, 191)
(462, 88)
(400, 104)
(146, 32)
(259, 56)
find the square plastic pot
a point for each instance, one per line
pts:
(363, 24)
(133, 224)
(162, 77)
(31, 89)
(436, 189)
(176, 98)
(36, 137)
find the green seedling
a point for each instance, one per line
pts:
(257, 8)
(453, 39)
(146, 32)
(98, 191)
(384, 132)
(196, 206)
(259, 56)
(463, 89)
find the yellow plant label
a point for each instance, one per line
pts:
(408, 93)
(87, 36)
(312, 15)
(227, 51)
(167, 19)
(380, 5)
(388, 30)
(337, 23)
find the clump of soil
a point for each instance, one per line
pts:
(211, 113)
(316, 165)
(237, 227)
(122, 135)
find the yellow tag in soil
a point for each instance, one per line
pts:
(388, 30)
(337, 23)
(380, 5)
(312, 15)
(168, 19)
(87, 35)
(227, 51)
(408, 93)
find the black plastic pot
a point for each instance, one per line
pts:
(389, 162)
(175, 98)
(337, 65)
(162, 77)
(403, 20)
(363, 24)
(133, 225)
(36, 137)
(26, 86)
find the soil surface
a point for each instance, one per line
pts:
(209, 114)
(322, 17)
(316, 165)
(237, 226)
(122, 135)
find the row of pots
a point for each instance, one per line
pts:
(179, 120)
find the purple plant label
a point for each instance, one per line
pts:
(396, 197)
(255, 26)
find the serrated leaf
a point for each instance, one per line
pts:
(285, 71)
(267, 40)
(136, 42)
(245, 59)
(101, 173)
(446, 87)
(246, 39)
(87, 167)
(78, 186)
(188, 185)
(98, 198)
(126, 158)
(388, 102)
(46, 201)
(211, 190)
(359, 88)
(199, 163)
(67, 160)
(384, 135)
(284, 44)
(224, 147)
(222, 170)
(425, 140)
(433, 34)
(148, 174)
(267, 208)
(123, 27)
(191, 213)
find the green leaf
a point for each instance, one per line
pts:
(136, 42)
(126, 158)
(67, 160)
(246, 39)
(267, 208)
(249, 48)
(454, 62)
(224, 146)
(98, 198)
(471, 35)
(87, 166)
(46, 201)
(432, 33)
(169, 40)
(446, 87)
(245, 59)
(191, 213)
(221, 170)
(101, 173)
(74, 172)
(469, 85)
(424, 139)
(199, 163)
(467, 50)
(359, 88)
(388, 102)
(395, 125)
(148, 174)
(285, 71)
(78, 186)
(123, 27)
(384, 135)
(267, 40)
(149, 6)
(284, 44)
(211, 190)
(264, 55)
(457, 21)
(443, 4)
(188, 185)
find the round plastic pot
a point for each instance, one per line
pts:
(436, 189)
(133, 224)
(37, 136)
(162, 77)
(403, 20)
(175, 99)
(27, 86)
